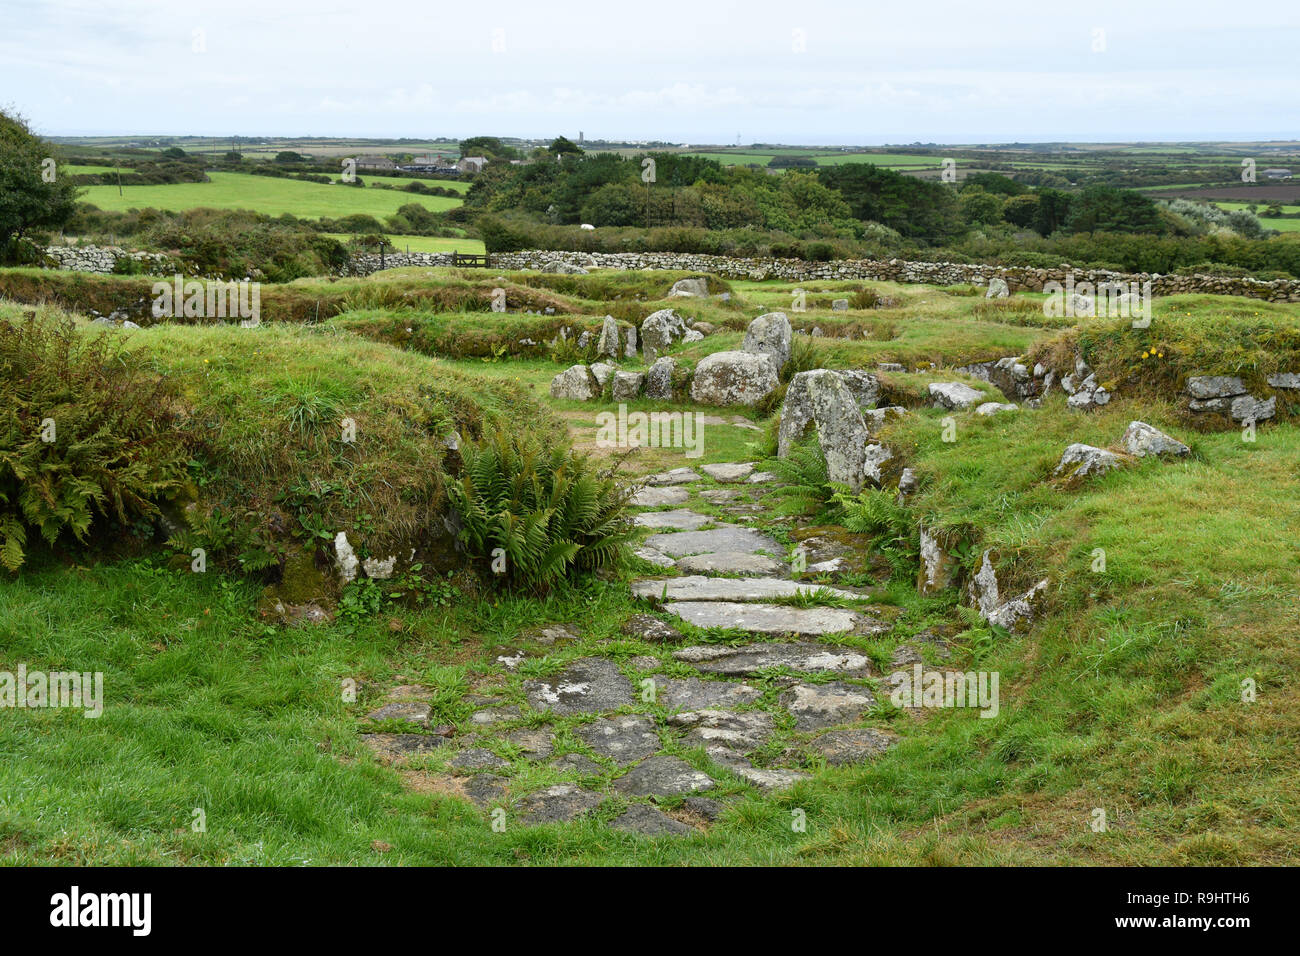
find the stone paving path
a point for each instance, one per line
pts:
(779, 697)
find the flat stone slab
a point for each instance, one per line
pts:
(729, 472)
(665, 776)
(815, 706)
(681, 519)
(402, 745)
(654, 497)
(558, 804)
(763, 778)
(856, 745)
(762, 477)
(696, 587)
(485, 789)
(588, 686)
(494, 715)
(476, 758)
(678, 476)
(648, 821)
(725, 537)
(731, 562)
(722, 496)
(535, 743)
(415, 712)
(578, 763)
(741, 731)
(751, 658)
(650, 629)
(765, 618)
(655, 557)
(694, 693)
(623, 739)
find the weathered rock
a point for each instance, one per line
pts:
(1284, 380)
(997, 289)
(815, 706)
(741, 731)
(876, 417)
(1214, 386)
(534, 742)
(727, 537)
(1247, 408)
(766, 778)
(627, 385)
(649, 628)
(864, 387)
(954, 395)
(655, 497)
(992, 408)
(647, 821)
(938, 568)
(703, 807)
(770, 335)
(654, 556)
(588, 686)
(564, 268)
(345, 558)
(751, 658)
(575, 383)
(659, 380)
(1081, 460)
(839, 305)
(624, 739)
(663, 776)
(693, 693)
(1141, 439)
(629, 350)
(856, 745)
(602, 373)
(558, 804)
(476, 758)
(678, 476)
(733, 378)
(820, 399)
(985, 595)
(730, 562)
(415, 712)
(579, 764)
(766, 618)
(1013, 378)
(679, 518)
(398, 746)
(607, 344)
(698, 588)
(729, 472)
(659, 331)
(689, 288)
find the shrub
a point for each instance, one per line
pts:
(86, 430)
(534, 514)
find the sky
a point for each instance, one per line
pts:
(807, 72)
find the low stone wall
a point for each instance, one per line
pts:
(1018, 279)
(103, 259)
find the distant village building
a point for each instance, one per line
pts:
(375, 162)
(1277, 173)
(472, 164)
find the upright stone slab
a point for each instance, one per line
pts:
(734, 378)
(770, 335)
(822, 400)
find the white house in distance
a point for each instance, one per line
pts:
(1277, 174)
(472, 164)
(375, 162)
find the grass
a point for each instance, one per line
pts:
(264, 194)
(428, 243)
(1126, 695)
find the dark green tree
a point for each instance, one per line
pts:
(33, 193)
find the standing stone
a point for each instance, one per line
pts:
(954, 395)
(659, 331)
(607, 344)
(770, 334)
(576, 382)
(630, 350)
(1142, 439)
(820, 399)
(659, 380)
(997, 289)
(1081, 460)
(840, 305)
(602, 372)
(695, 288)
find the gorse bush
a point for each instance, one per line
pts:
(533, 514)
(86, 431)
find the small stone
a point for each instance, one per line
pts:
(654, 556)
(729, 472)
(815, 706)
(558, 804)
(579, 764)
(587, 686)
(678, 476)
(415, 712)
(477, 758)
(1141, 439)
(798, 656)
(681, 519)
(623, 739)
(663, 776)
(992, 408)
(1081, 460)
(650, 629)
(841, 747)
(954, 395)
(648, 821)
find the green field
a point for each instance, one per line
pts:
(429, 243)
(823, 157)
(263, 194)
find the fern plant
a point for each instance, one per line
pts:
(877, 513)
(533, 514)
(805, 488)
(87, 431)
